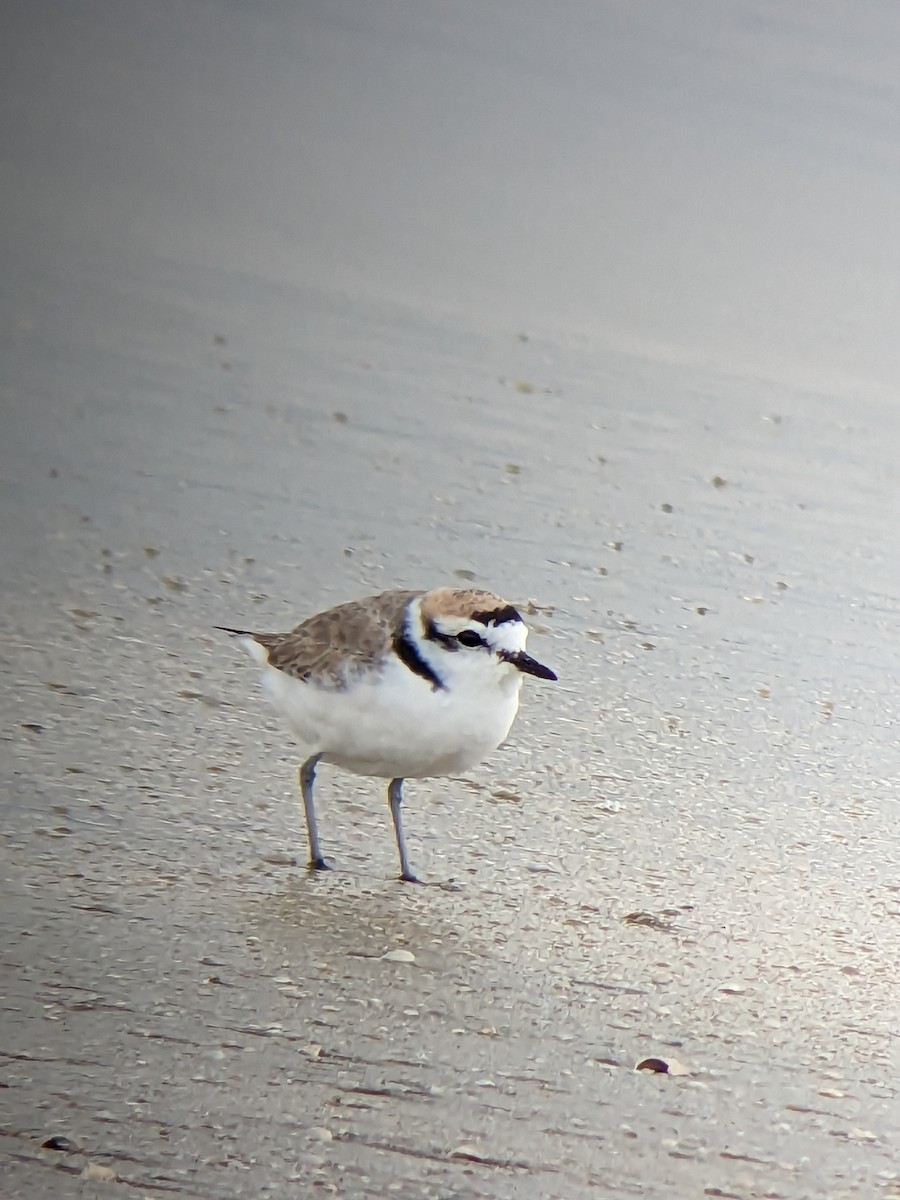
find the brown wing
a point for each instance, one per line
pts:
(335, 644)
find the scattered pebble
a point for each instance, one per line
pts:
(662, 1066)
(862, 1135)
(63, 1144)
(99, 1174)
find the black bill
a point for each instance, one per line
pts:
(526, 664)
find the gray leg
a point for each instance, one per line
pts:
(307, 776)
(395, 799)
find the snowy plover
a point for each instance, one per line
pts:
(398, 686)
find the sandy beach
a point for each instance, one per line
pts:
(594, 305)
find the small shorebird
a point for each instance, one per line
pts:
(404, 685)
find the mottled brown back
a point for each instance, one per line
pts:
(333, 645)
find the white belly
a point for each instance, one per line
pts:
(397, 725)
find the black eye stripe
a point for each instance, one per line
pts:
(433, 634)
(469, 638)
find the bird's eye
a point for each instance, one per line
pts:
(470, 638)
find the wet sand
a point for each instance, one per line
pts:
(597, 310)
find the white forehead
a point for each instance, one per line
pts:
(508, 635)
